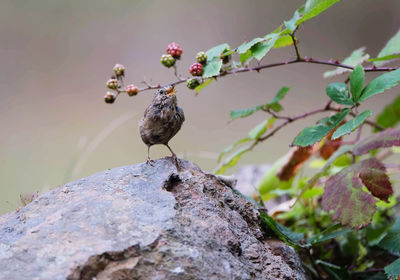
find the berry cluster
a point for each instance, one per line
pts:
(115, 83)
(173, 53)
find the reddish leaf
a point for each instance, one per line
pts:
(375, 179)
(295, 159)
(330, 146)
(344, 195)
(387, 138)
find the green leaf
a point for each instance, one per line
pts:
(390, 115)
(384, 139)
(291, 24)
(203, 85)
(380, 84)
(384, 58)
(339, 93)
(283, 233)
(315, 133)
(260, 129)
(243, 48)
(335, 272)
(344, 194)
(283, 41)
(356, 57)
(274, 104)
(212, 68)
(357, 82)
(259, 50)
(231, 161)
(351, 125)
(328, 234)
(393, 270)
(231, 147)
(391, 241)
(391, 47)
(245, 57)
(216, 51)
(242, 113)
(313, 8)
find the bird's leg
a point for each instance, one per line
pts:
(173, 155)
(149, 161)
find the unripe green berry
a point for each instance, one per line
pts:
(167, 60)
(192, 83)
(110, 97)
(112, 83)
(132, 90)
(201, 57)
(119, 70)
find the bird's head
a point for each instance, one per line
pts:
(167, 91)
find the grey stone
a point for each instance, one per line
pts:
(142, 222)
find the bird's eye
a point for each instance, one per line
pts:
(161, 91)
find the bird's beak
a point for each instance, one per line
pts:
(171, 91)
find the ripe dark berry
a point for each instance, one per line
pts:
(119, 70)
(201, 57)
(196, 69)
(109, 97)
(167, 60)
(175, 50)
(132, 90)
(112, 83)
(192, 83)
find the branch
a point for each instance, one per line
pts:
(288, 120)
(276, 64)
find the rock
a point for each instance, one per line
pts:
(142, 222)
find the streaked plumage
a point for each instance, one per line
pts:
(162, 120)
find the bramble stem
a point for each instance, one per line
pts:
(271, 65)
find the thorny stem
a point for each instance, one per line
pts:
(271, 65)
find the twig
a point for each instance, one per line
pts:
(295, 45)
(290, 119)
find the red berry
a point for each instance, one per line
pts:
(175, 50)
(132, 90)
(196, 69)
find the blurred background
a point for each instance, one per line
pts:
(56, 57)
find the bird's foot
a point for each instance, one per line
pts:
(149, 162)
(176, 161)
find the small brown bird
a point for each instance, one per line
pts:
(161, 121)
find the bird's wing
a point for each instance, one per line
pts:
(179, 111)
